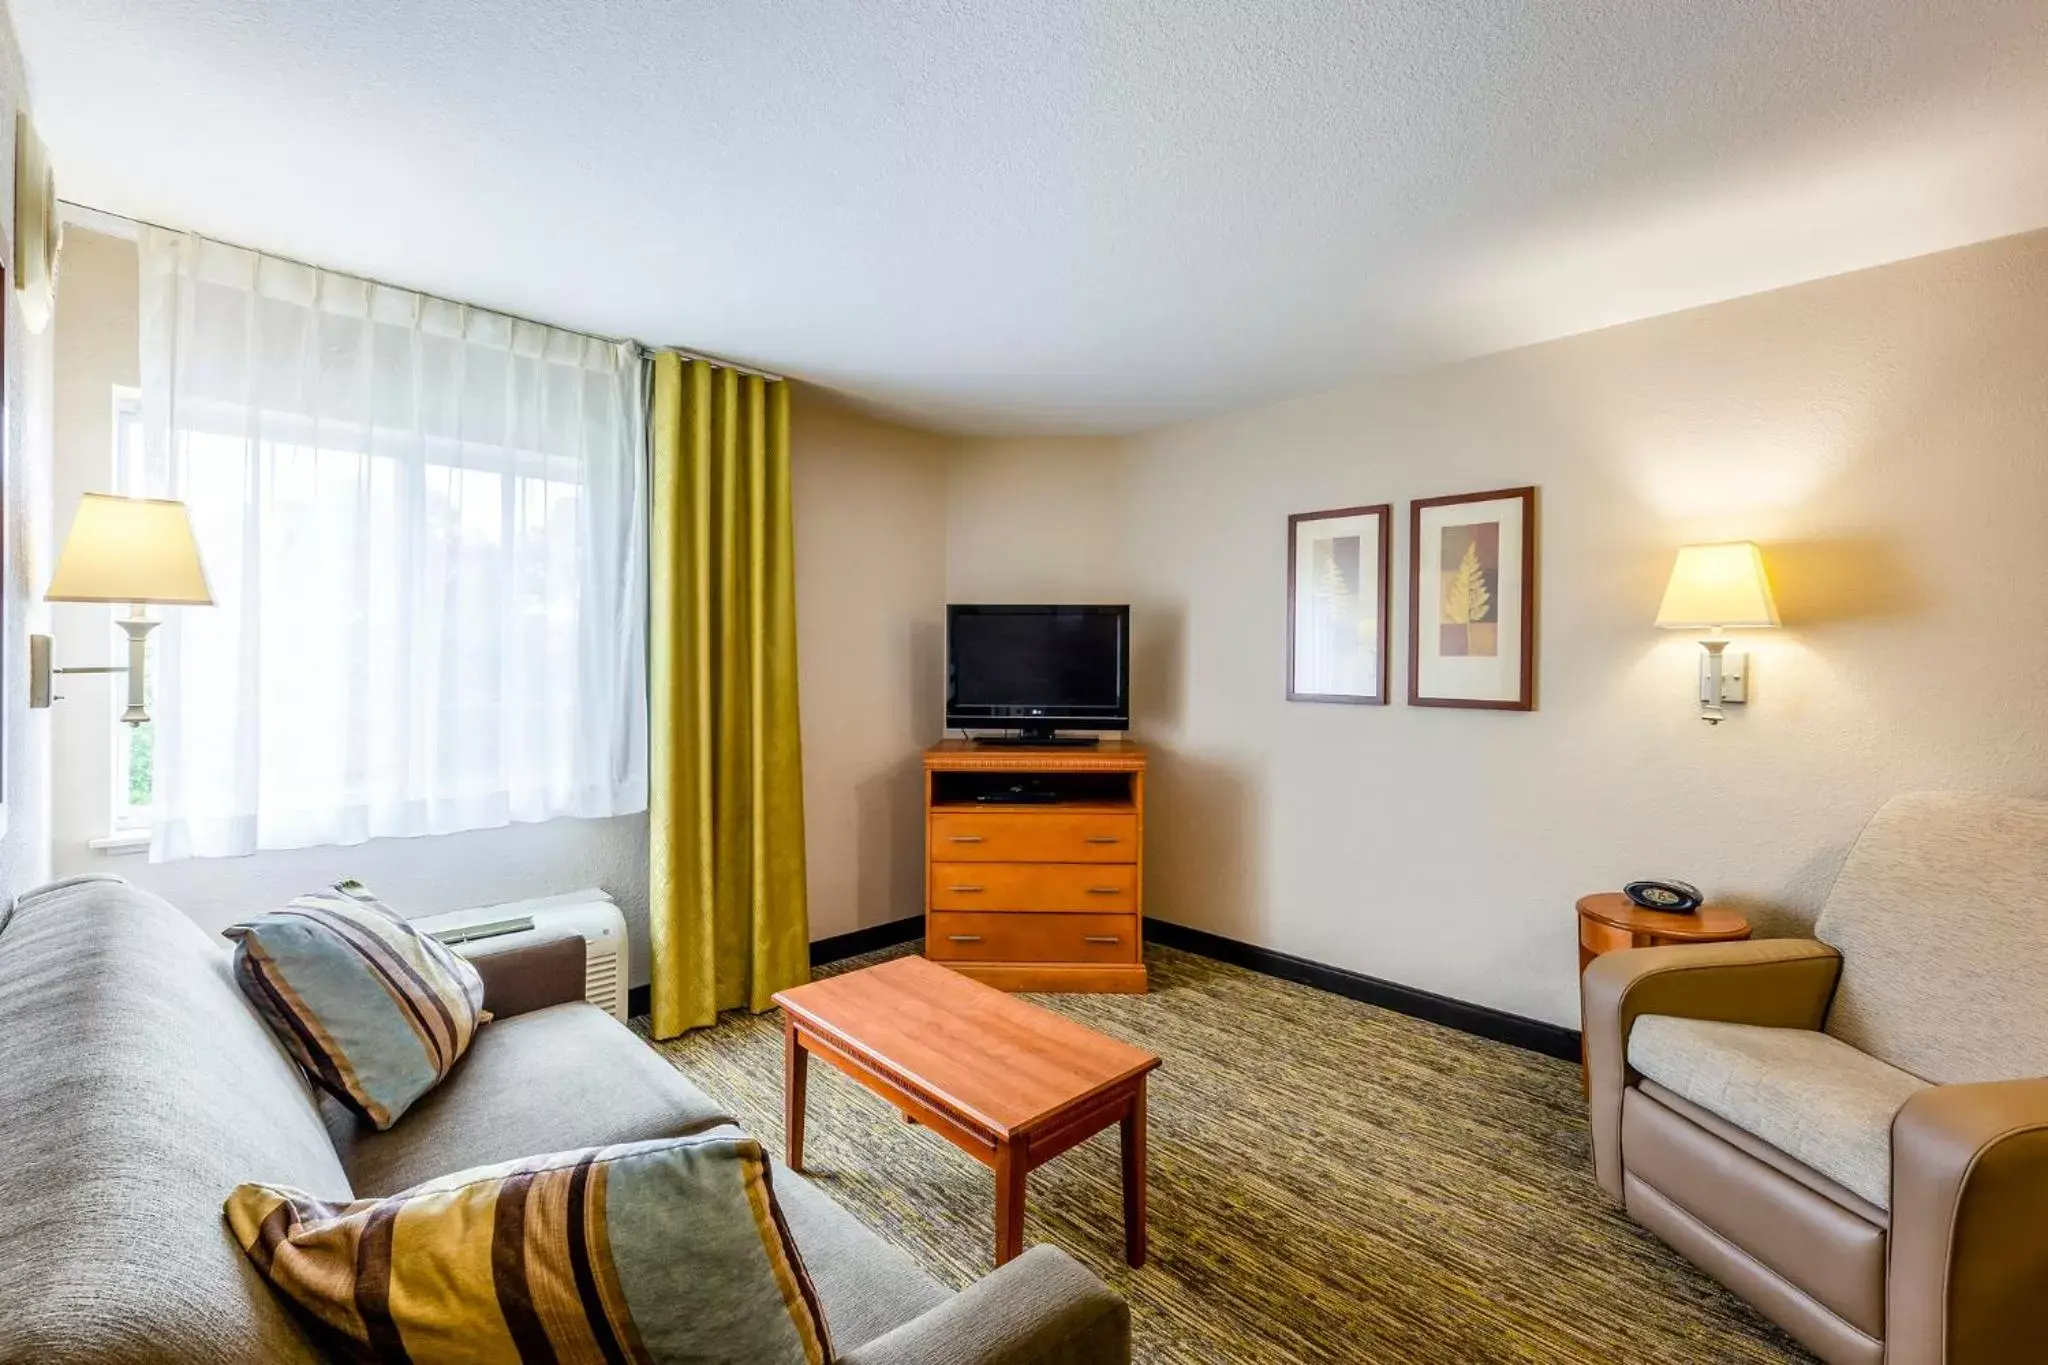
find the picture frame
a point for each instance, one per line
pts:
(1340, 565)
(1472, 600)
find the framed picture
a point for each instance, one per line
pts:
(1338, 567)
(1472, 600)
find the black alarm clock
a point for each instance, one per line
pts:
(1664, 893)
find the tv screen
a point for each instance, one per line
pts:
(1038, 667)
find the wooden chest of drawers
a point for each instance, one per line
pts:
(1038, 896)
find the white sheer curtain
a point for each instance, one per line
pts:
(426, 531)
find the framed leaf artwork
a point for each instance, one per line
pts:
(1339, 564)
(1472, 600)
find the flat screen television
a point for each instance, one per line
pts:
(1035, 670)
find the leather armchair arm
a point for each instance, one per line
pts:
(1969, 1248)
(1777, 983)
(530, 976)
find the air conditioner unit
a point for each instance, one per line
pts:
(590, 913)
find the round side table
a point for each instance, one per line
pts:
(1610, 921)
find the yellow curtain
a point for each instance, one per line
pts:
(725, 806)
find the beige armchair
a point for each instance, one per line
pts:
(1851, 1131)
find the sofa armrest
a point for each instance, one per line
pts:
(529, 975)
(1775, 982)
(1044, 1308)
(1969, 1234)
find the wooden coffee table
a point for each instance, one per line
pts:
(1007, 1082)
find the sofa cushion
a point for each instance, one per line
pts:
(867, 1286)
(667, 1253)
(138, 1087)
(1813, 1097)
(377, 1012)
(559, 1078)
(1942, 922)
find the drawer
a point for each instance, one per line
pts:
(1034, 886)
(960, 936)
(1034, 836)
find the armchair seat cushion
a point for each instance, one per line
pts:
(1809, 1095)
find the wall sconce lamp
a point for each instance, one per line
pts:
(133, 550)
(1716, 588)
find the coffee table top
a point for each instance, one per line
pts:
(1001, 1061)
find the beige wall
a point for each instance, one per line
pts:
(871, 597)
(1036, 520)
(24, 536)
(95, 340)
(870, 526)
(1883, 434)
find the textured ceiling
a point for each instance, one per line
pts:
(1061, 216)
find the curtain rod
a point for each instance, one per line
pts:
(122, 225)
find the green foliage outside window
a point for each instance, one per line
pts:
(141, 747)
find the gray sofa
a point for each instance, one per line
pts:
(137, 1088)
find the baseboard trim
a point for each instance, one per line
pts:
(1552, 1040)
(639, 1000)
(868, 940)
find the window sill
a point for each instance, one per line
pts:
(124, 841)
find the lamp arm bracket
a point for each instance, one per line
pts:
(41, 673)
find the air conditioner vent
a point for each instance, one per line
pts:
(493, 928)
(601, 981)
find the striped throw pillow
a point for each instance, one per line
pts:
(375, 1011)
(650, 1252)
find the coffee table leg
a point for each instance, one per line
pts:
(795, 1072)
(1011, 1166)
(1133, 1136)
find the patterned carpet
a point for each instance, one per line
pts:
(1329, 1182)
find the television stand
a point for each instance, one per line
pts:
(1034, 864)
(1035, 738)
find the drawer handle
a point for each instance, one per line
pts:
(1100, 938)
(1105, 890)
(1102, 839)
(967, 890)
(963, 938)
(967, 838)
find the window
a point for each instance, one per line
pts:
(424, 529)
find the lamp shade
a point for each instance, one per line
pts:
(130, 550)
(1718, 586)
